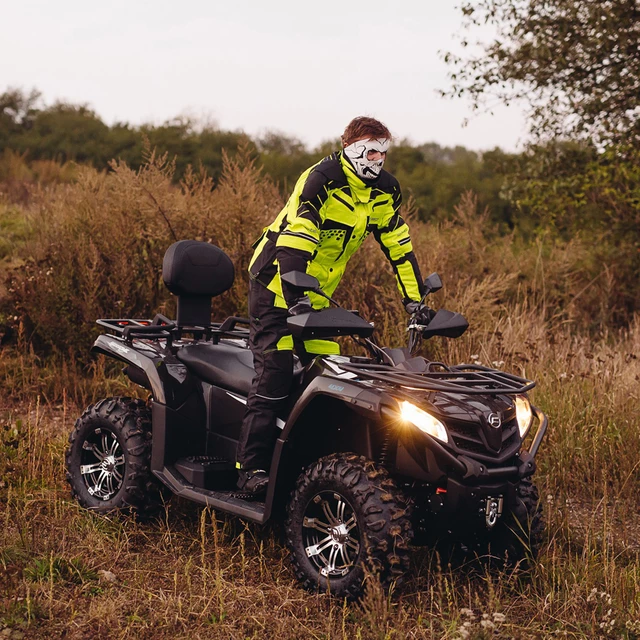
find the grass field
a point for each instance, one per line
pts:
(67, 573)
(537, 309)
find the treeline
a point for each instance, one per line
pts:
(435, 176)
(556, 189)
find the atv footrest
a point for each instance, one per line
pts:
(207, 472)
(225, 500)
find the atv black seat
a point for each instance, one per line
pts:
(195, 272)
(223, 365)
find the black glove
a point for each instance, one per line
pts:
(422, 313)
(302, 305)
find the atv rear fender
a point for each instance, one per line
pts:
(178, 408)
(162, 373)
(145, 372)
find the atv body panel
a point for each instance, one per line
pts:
(199, 394)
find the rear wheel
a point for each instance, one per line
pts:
(345, 516)
(108, 459)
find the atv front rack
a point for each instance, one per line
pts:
(462, 378)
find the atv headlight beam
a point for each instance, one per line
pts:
(423, 420)
(524, 415)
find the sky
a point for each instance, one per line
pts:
(300, 68)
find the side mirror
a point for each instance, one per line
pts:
(432, 283)
(301, 280)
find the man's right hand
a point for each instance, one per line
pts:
(302, 305)
(422, 314)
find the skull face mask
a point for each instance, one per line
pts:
(358, 155)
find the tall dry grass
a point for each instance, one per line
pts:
(97, 245)
(93, 248)
(96, 249)
(19, 178)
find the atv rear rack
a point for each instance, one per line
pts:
(463, 378)
(162, 328)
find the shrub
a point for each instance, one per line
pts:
(98, 244)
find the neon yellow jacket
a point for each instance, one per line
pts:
(328, 216)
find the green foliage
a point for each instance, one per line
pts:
(17, 110)
(437, 176)
(576, 66)
(575, 191)
(33, 136)
(66, 132)
(53, 569)
(574, 63)
(14, 230)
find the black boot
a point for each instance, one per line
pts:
(254, 481)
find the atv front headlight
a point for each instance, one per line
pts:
(423, 420)
(524, 415)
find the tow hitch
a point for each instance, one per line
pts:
(493, 510)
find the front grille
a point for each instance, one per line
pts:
(468, 439)
(471, 447)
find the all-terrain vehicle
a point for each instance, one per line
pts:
(370, 451)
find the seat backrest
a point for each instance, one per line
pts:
(195, 272)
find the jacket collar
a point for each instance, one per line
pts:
(359, 189)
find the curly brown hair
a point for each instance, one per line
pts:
(364, 127)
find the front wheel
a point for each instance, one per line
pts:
(517, 539)
(346, 516)
(108, 459)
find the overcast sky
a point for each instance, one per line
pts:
(302, 68)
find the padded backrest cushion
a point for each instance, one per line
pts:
(192, 268)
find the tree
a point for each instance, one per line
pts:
(17, 111)
(576, 63)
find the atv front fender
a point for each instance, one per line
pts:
(361, 400)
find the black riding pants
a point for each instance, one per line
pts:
(272, 347)
(272, 383)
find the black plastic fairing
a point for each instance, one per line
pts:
(137, 376)
(446, 323)
(359, 397)
(328, 323)
(178, 433)
(169, 379)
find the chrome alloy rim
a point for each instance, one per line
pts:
(330, 534)
(102, 464)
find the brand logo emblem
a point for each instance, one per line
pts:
(336, 387)
(494, 420)
(118, 347)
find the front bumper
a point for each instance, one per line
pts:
(473, 472)
(426, 459)
(474, 486)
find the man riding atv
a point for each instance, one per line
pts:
(334, 206)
